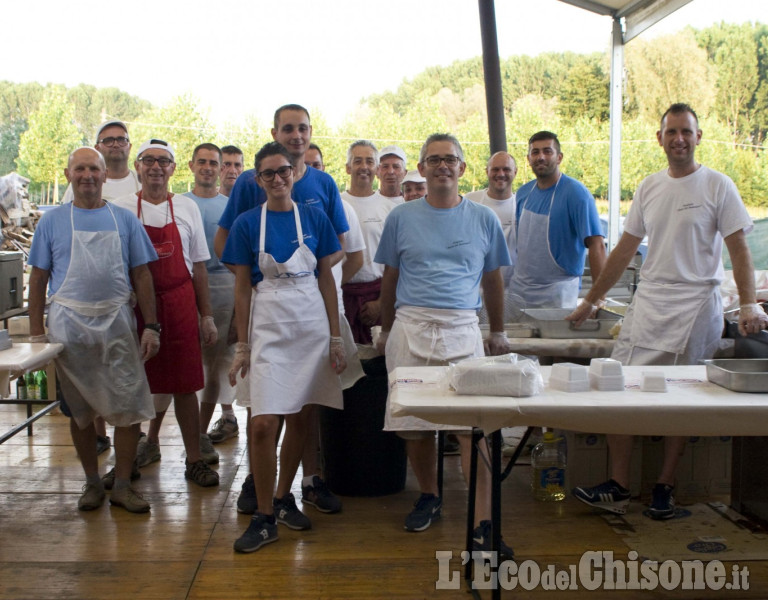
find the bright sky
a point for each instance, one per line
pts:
(245, 57)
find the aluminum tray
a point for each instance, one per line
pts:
(551, 323)
(739, 374)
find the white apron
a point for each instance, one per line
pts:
(217, 359)
(289, 334)
(679, 319)
(100, 368)
(538, 281)
(429, 337)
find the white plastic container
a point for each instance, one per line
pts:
(606, 375)
(653, 381)
(569, 377)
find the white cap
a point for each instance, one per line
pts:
(414, 176)
(396, 150)
(157, 144)
(106, 124)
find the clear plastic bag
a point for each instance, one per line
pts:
(504, 375)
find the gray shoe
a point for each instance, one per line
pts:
(210, 456)
(103, 444)
(201, 474)
(92, 498)
(129, 499)
(146, 452)
(223, 429)
(109, 479)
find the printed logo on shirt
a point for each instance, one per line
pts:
(311, 201)
(289, 275)
(373, 219)
(688, 206)
(457, 244)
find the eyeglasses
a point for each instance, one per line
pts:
(111, 141)
(269, 174)
(148, 161)
(434, 160)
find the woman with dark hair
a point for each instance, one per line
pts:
(288, 334)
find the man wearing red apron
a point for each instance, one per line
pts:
(175, 227)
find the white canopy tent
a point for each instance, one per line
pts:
(630, 18)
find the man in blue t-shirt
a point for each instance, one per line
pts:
(437, 252)
(557, 225)
(94, 255)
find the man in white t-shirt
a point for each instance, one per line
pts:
(115, 146)
(498, 196)
(175, 227)
(391, 171)
(676, 316)
(361, 292)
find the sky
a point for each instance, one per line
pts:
(247, 57)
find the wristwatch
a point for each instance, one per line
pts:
(154, 327)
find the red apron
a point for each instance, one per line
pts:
(355, 295)
(178, 367)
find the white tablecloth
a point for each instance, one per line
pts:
(22, 358)
(691, 406)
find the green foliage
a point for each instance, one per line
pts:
(51, 136)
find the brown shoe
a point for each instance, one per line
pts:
(201, 474)
(92, 498)
(129, 499)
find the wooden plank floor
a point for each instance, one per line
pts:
(182, 549)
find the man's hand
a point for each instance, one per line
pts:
(498, 343)
(210, 334)
(338, 355)
(585, 310)
(752, 319)
(241, 362)
(381, 342)
(370, 313)
(150, 343)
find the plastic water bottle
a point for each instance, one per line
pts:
(548, 463)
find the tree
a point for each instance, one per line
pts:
(46, 145)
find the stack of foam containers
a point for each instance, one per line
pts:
(606, 375)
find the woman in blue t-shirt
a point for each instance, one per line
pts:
(287, 320)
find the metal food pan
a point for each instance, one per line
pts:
(551, 323)
(739, 374)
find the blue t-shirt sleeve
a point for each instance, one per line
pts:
(327, 240)
(243, 197)
(498, 252)
(336, 210)
(387, 252)
(583, 213)
(41, 252)
(239, 249)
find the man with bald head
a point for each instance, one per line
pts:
(89, 254)
(498, 196)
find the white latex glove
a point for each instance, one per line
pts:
(241, 362)
(381, 342)
(150, 343)
(585, 310)
(39, 339)
(752, 319)
(498, 343)
(210, 333)
(338, 355)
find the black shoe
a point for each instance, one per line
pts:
(319, 496)
(259, 533)
(662, 502)
(103, 443)
(247, 503)
(426, 510)
(481, 542)
(109, 479)
(287, 513)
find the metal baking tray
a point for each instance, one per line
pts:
(551, 323)
(739, 374)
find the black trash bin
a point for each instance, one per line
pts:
(360, 459)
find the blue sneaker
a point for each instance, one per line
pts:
(426, 509)
(288, 514)
(608, 496)
(481, 542)
(662, 502)
(259, 533)
(247, 503)
(319, 496)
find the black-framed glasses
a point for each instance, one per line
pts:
(148, 161)
(111, 141)
(269, 174)
(434, 161)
